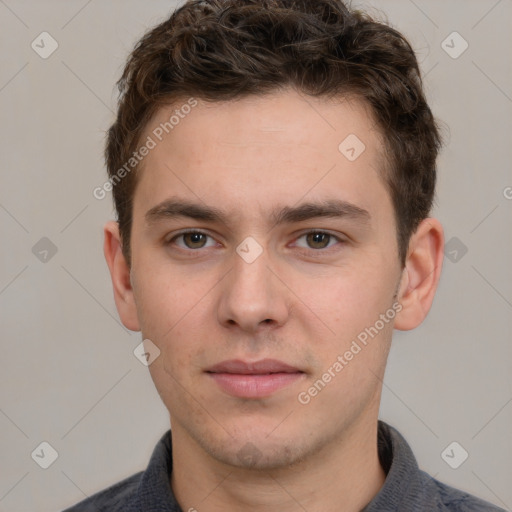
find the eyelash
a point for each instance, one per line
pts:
(305, 234)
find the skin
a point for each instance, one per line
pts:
(297, 302)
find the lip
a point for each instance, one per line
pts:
(256, 379)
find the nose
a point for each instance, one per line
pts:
(252, 297)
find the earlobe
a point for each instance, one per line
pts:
(421, 274)
(120, 275)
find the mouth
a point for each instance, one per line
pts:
(253, 379)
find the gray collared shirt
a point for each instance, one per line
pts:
(406, 489)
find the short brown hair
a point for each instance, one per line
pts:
(225, 49)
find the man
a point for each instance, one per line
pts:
(273, 170)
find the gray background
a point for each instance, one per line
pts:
(68, 375)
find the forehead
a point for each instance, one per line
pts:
(277, 118)
(256, 151)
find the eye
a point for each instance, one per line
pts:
(318, 240)
(191, 240)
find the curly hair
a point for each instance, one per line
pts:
(226, 49)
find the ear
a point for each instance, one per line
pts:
(120, 274)
(421, 274)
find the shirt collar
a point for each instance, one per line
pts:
(402, 472)
(402, 482)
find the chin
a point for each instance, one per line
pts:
(257, 456)
(258, 449)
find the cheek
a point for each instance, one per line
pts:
(164, 298)
(349, 298)
(176, 317)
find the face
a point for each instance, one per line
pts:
(264, 268)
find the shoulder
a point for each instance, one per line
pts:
(145, 490)
(450, 499)
(409, 489)
(119, 497)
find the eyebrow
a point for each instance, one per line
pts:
(333, 208)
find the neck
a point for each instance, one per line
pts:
(344, 476)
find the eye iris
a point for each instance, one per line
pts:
(197, 240)
(318, 238)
